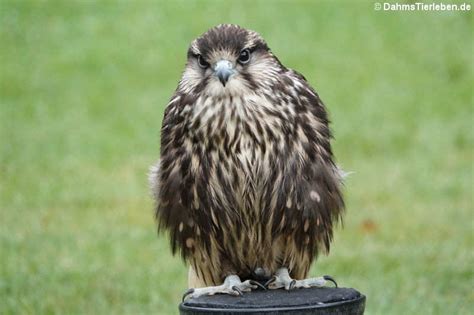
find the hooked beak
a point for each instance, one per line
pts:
(223, 69)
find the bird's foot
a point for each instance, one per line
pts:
(232, 286)
(282, 279)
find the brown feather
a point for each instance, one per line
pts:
(246, 177)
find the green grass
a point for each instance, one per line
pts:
(83, 89)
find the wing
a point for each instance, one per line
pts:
(171, 178)
(308, 187)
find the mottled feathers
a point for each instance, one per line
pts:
(246, 177)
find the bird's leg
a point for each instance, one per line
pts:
(232, 286)
(282, 279)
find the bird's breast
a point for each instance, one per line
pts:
(238, 123)
(236, 137)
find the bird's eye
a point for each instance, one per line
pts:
(202, 63)
(244, 56)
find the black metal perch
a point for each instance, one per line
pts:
(320, 301)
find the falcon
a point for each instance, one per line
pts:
(246, 184)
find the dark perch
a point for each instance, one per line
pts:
(321, 301)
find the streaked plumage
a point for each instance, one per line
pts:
(246, 177)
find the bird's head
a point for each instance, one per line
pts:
(228, 59)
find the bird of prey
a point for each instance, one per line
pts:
(246, 185)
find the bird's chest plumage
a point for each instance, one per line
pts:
(231, 135)
(239, 147)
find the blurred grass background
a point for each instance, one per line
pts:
(83, 89)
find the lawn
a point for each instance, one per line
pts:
(82, 93)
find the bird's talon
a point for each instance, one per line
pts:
(329, 278)
(188, 292)
(258, 284)
(292, 285)
(272, 279)
(236, 289)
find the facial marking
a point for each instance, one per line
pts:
(224, 44)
